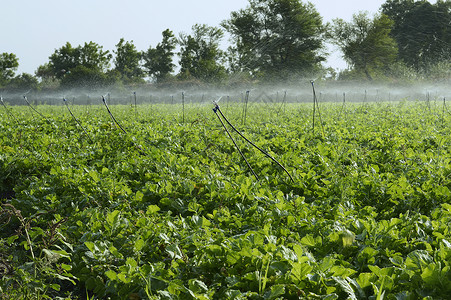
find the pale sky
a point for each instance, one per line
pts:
(34, 29)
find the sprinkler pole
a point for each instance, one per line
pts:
(136, 111)
(316, 107)
(10, 114)
(216, 109)
(78, 122)
(111, 115)
(246, 100)
(183, 107)
(29, 105)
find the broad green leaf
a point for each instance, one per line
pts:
(111, 275)
(174, 251)
(94, 175)
(366, 279)
(90, 246)
(139, 196)
(274, 292)
(152, 209)
(123, 277)
(300, 270)
(299, 251)
(112, 218)
(346, 287)
(139, 244)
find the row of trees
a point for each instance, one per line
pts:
(270, 39)
(408, 38)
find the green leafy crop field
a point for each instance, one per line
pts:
(168, 208)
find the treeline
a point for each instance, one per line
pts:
(270, 40)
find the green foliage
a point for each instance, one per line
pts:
(8, 65)
(170, 211)
(366, 44)
(275, 38)
(421, 30)
(22, 83)
(158, 61)
(200, 55)
(127, 61)
(84, 65)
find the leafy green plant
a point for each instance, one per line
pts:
(168, 211)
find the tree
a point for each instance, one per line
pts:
(81, 65)
(44, 71)
(200, 55)
(63, 60)
(8, 65)
(23, 82)
(127, 61)
(276, 38)
(158, 61)
(366, 43)
(84, 77)
(92, 56)
(422, 30)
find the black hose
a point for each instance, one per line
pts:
(247, 140)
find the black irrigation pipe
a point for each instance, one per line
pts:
(112, 117)
(246, 100)
(316, 107)
(343, 105)
(136, 110)
(183, 108)
(445, 106)
(216, 109)
(10, 114)
(78, 122)
(30, 106)
(283, 102)
(344, 100)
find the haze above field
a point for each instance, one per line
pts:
(34, 29)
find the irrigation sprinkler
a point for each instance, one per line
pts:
(445, 108)
(217, 109)
(78, 122)
(283, 102)
(246, 100)
(136, 111)
(428, 102)
(30, 106)
(111, 115)
(316, 107)
(10, 114)
(344, 102)
(183, 107)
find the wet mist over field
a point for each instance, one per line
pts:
(290, 93)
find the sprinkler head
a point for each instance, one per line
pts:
(216, 102)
